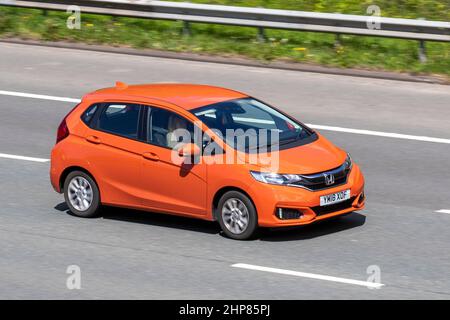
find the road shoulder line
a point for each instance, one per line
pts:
(308, 275)
(24, 158)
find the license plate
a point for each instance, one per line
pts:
(335, 197)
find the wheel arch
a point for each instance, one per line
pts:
(70, 169)
(219, 193)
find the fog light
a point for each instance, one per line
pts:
(288, 213)
(361, 198)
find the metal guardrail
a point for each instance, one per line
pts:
(421, 30)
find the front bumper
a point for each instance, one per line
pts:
(306, 202)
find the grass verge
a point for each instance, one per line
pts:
(316, 48)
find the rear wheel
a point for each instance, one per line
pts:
(81, 194)
(237, 215)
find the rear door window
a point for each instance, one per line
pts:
(120, 119)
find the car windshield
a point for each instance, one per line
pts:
(241, 122)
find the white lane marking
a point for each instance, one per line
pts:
(443, 211)
(37, 96)
(314, 126)
(380, 134)
(308, 275)
(15, 157)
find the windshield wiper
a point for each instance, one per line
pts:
(293, 139)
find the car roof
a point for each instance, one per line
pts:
(187, 96)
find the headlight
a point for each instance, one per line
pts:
(275, 178)
(348, 162)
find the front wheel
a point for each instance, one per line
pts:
(237, 216)
(81, 194)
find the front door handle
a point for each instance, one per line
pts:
(151, 156)
(93, 139)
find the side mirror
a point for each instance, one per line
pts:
(189, 150)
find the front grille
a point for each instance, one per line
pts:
(321, 210)
(316, 181)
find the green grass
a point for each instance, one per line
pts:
(316, 48)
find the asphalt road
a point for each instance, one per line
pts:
(130, 254)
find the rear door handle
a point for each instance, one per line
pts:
(151, 156)
(93, 139)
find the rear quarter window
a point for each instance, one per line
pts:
(88, 115)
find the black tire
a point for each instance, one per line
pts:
(250, 231)
(94, 208)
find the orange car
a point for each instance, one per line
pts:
(203, 152)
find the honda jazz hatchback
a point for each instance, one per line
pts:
(203, 152)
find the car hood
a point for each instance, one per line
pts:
(320, 155)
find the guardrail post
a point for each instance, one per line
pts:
(337, 41)
(422, 51)
(186, 28)
(261, 34)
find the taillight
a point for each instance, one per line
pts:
(63, 131)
